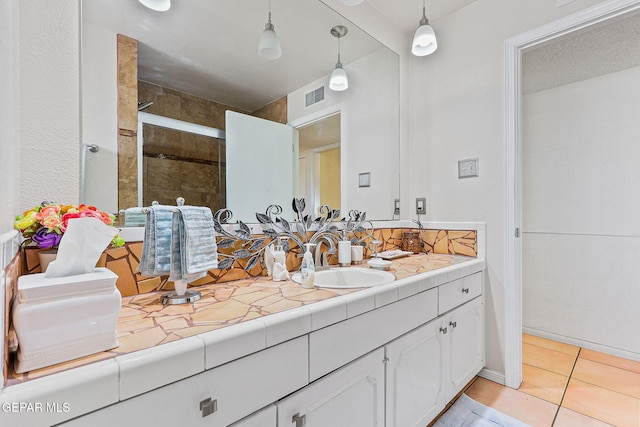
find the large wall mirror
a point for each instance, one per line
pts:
(207, 51)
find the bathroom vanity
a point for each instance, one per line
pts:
(390, 355)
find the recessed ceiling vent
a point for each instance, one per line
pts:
(314, 97)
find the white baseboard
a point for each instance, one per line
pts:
(581, 343)
(496, 377)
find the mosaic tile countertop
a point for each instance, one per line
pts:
(144, 322)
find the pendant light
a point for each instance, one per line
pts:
(339, 80)
(424, 40)
(269, 46)
(157, 5)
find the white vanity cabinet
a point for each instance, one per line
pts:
(217, 397)
(428, 366)
(463, 345)
(352, 396)
(415, 377)
(396, 366)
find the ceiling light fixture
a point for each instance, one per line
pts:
(339, 80)
(157, 5)
(424, 40)
(351, 2)
(269, 46)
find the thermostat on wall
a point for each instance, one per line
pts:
(364, 179)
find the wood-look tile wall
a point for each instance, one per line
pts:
(127, 54)
(206, 166)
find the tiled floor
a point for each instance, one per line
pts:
(567, 386)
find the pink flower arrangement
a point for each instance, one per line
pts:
(46, 223)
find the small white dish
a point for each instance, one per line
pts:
(393, 254)
(379, 264)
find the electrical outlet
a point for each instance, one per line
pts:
(396, 207)
(421, 205)
(468, 168)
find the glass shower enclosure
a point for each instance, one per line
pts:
(180, 159)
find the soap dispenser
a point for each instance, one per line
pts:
(344, 251)
(279, 262)
(279, 254)
(308, 269)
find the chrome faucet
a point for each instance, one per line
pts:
(321, 258)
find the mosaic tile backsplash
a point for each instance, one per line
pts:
(124, 261)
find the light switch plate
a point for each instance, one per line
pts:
(364, 179)
(421, 205)
(468, 168)
(396, 207)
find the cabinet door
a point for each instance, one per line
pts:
(465, 356)
(352, 396)
(415, 377)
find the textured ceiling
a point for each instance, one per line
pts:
(600, 49)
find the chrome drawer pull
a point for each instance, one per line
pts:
(443, 330)
(208, 406)
(465, 290)
(299, 420)
(453, 324)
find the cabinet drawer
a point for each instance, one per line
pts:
(453, 294)
(339, 344)
(238, 388)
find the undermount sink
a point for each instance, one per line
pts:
(350, 277)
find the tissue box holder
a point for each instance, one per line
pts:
(63, 318)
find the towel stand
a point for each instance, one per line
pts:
(180, 295)
(187, 296)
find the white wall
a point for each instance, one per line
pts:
(456, 112)
(39, 108)
(581, 204)
(49, 91)
(100, 116)
(8, 149)
(369, 136)
(9, 192)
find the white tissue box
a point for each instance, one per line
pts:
(63, 318)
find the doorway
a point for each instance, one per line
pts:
(514, 49)
(320, 163)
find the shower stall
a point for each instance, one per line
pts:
(180, 159)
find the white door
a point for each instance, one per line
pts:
(352, 396)
(465, 357)
(415, 377)
(262, 165)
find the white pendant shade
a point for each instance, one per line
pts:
(351, 2)
(424, 41)
(269, 46)
(339, 80)
(157, 5)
